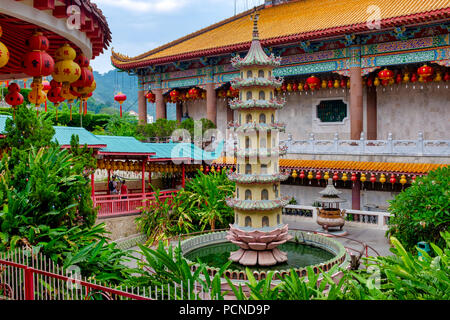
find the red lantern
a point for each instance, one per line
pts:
(399, 78)
(306, 87)
(120, 98)
(393, 179)
(335, 176)
(193, 93)
(370, 82)
(343, 84)
(386, 74)
(174, 94)
(414, 78)
(318, 175)
(151, 98)
(354, 178)
(37, 62)
(302, 175)
(295, 86)
(447, 76)
(373, 179)
(313, 82)
(14, 97)
(54, 95)
(330, 84)
(425, 71)
(86, 76)
(284, 87)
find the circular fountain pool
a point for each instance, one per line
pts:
(305, 250)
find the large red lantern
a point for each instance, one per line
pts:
(151, 98)
(313, 82)
(14, 97)
(120, 98)
(425, 72)
(54, 95)
(393, 179)
(37, 62)
(386, 74)
(174, 94)
(193, 93)
(86, 75)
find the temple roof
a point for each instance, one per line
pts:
(288, 23)
(348, 166)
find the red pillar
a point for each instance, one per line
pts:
(29, 284)
(93, 184)
(356, 195)
(356, 94)
(179, 111)
(211, 103)
(143, 176)
(161, 112)
(142, 107)
(183, 179)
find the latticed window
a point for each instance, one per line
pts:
(332, 111)
(249, 95)
(265, 221)
(248, 195)
(262, 95)
(262, 118)
(261, 73)
(265, 195)
(249, 74)
(248, 221)
(248, 169)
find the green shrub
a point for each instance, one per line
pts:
(422, 211)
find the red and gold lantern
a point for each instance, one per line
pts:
(120, 98)
(38, 63)
(313, 82)
(174, 94)
(385, 74)
(151, 98)
(425, 72)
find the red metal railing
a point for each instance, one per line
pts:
(27, 276)
(116, 205)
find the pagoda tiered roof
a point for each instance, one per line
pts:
(257, 205)
(291, 22)
(277, 103)
(261, 178)
(253, 127)
(257, 82)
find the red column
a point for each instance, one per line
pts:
(356, 195)
(356, 94)
(160, 104)
(143, 175)
(29, 284)
(183, 179)
(179, 111)
(211, 103)
(142, 107)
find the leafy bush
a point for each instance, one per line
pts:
(422, 211)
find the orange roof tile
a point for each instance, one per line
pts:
(297, 18)
(348, 166)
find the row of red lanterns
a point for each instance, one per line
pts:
(314, 83)
(354, 177)
(424, 74)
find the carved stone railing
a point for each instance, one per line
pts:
(354, 218)
(419, 147)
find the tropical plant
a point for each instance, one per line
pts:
(422, 211)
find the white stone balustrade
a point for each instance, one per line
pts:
(419, 147)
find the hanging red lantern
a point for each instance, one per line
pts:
(313, 82)
(399, 78)
(174, 94)
(151, 98)
(354, 178)
(373, 178)
(414, 78)
(318, 175)
(370, 82)
(425, 72)
(330, 84)
(14, 97)
(386, 74)
(447, 77)
(302, 175)
(306, 87)
(120, 98)
(86, 75)
(393, 179)
(284, 87)
(54, 95)
(335, 176)
(37, 62)
(295, 86)
(194, 93)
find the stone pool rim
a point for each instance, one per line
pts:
(302, 237)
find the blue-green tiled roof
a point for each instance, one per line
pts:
(184, 150)
(123, 145)
(64, 134)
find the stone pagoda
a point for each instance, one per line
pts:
(258, 229)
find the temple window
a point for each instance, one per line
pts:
(249, 74)
(249, 95)
(272, 118)
(265, 195)
(248, 118)
(248, 195)
(264, 169)
(261, 74)
(265, 221)
(332, 111)
(248, 143)
(262, 118)
(248, 169)
(262, 95)
(263, 143)
(248, 221)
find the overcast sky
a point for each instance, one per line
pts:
(138, 26)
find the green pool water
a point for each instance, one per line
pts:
(299, 256)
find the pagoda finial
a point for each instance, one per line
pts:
(255, 18)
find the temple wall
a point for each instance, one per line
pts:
(405, 112)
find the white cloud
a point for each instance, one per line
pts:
(145, 6)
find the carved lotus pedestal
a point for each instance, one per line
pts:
(331, 218)
(258, 247)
